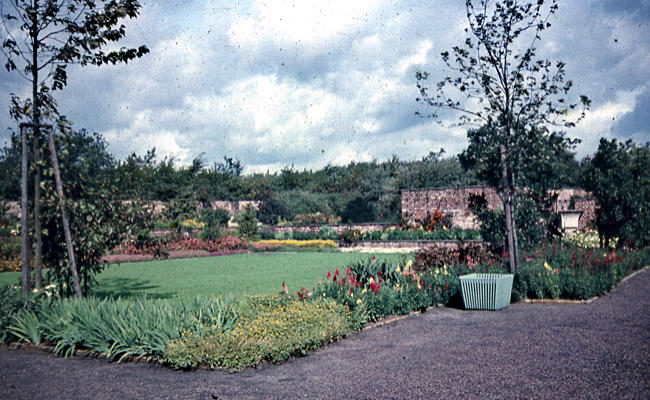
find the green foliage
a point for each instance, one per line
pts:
(269, 328)
(214, 221)
(13, 303)
(619, 178)
(568, 272)
(248, 223)
(271, 210)
(327, 233)
(118, 328)
(358, 209)
(532, 228)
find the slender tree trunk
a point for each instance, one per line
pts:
(24, 220)
(507, 207)
(513, 205)
(38, 231)
(66, 225)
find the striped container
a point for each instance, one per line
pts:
(486, 291)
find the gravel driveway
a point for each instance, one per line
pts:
(542, 351)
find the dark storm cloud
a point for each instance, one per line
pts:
(636, 123)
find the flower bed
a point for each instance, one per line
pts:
(316, 243)
(182, 246)
(186, 333)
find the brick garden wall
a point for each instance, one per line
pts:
(454, 201)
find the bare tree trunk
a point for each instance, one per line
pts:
(513, 205)
(515, 239)
(24, 220)
(38, 231)
(66, 225)
(507, 207)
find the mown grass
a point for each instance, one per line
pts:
(256, 273)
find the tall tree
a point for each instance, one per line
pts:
(619, 177)
(39, 41)
(498, 82)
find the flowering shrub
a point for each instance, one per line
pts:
(561, 271)
(432, 222)
(373, 289)
(587, 239)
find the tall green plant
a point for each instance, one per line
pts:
(248, 223)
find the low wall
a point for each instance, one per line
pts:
(338, 228)
(417, 244)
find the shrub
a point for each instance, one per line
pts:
(248, 223)
(327, 233)
(531, 224)
(213, 223)
(470, 255)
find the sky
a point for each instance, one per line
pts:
(306, 83)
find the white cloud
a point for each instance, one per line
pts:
(311, 22)
(417, 59)
(305, 82)
(599, 120)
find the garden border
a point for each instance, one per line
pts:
(585, 301)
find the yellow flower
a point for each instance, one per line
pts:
(546, 265)
(398, 269)
(372, 279)
(409, 263)
(437, 271)
(359, 301)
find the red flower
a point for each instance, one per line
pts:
(446, 287)
(329, 274)
(375, 287)
(374, 258)
(336, 272)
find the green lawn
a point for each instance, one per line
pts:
(254, 273)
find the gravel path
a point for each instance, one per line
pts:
(541, 351)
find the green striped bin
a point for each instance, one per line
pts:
(486, 291)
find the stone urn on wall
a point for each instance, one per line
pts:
(569, 220)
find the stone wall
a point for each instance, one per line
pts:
(450, 201)
(454, 201)
(337, 228)
(234, 206)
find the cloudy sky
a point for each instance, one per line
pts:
(277, 83)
